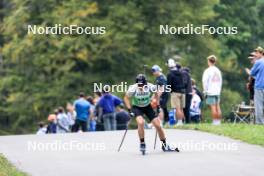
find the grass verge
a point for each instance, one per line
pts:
(253, 134)
(7, 169)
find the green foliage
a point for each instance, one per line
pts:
(246, 15)
(41, 72)
(7, 169)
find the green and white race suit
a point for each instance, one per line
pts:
(141, 97)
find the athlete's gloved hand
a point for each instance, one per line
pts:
(131, 113)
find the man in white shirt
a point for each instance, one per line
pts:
(212, 85)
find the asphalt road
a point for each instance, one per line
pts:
(87, 154)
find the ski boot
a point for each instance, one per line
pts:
(167, 148)
(143, 148)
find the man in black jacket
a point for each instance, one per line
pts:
(175, 79)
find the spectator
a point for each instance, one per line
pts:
(63, 125)
(107, 105)
(195, 109)
(251, 80)
(91, 121)
(52, 126)
(201, 96)
(71, 114)
(42, 129)
(161, 81)
(97, 96)
(99, 120)
(212, 84)
(83, 110)
(258, 73)
(188, 86)
(197, 91)
(176, 81)
(122, 118)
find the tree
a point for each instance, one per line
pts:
(42, 72)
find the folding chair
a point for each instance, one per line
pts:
(243, 114)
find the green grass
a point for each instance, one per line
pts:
(7, 169)
(253, 134)
(2, 133)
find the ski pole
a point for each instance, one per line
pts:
(155, 139)
(155, 142)
(123, 138)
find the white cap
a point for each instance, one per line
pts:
(171, 63)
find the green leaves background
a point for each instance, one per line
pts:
(41, 72)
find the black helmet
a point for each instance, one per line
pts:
(141, 79)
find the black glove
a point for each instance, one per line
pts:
(131, 113)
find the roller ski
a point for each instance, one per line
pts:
(167, 148)
(143, 148)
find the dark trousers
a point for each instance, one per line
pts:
(186, 110)
(100, 126)
(163, 105)
(79, 123)
(195, 119)
(166, 114)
